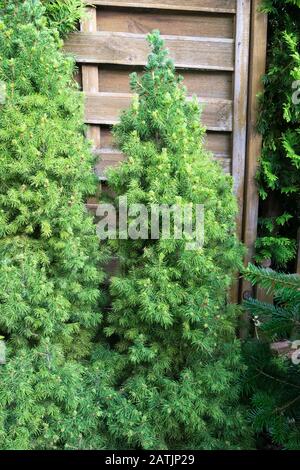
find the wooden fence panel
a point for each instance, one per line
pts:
(105, 108)
(115, 79)
(200, 35)
(90, 73)
(132, 49)
(140, 22)
(209, 41)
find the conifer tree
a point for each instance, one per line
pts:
(273, 380)
(171, 378)
(49, 251)
(64, 15)
(279, 175)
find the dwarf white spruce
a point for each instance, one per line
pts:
(49, 251)
(172, 374)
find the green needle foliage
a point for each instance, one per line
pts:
(64, 15)
(171, 379)
(272, 381)
(49, 251)
(279, 175)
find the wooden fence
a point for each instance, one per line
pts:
(219, 46)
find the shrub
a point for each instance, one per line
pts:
(49, 272)
(64, 15)
(273, 381)
(172, 374)
(279, 175)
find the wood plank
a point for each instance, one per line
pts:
(107, 139)
(215, 142)
(206, 84)
(219, 142)
(181, 23)
(240, 113)
(105, 108)
(258, 53)
(218, 6)
(132, 49)
(109, 158)
(240, 102)
(90, 73)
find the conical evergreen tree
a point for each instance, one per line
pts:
(171, 377)
(49, 251)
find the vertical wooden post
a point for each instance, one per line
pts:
(258, 53)
(90, 73)
(240, 102)
(243, 12)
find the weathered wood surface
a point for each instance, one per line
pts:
(258, 52)
(209, 42)
(132, 49)
(105, 108)
(219, 143)
(242, 38)
(109, 157)
(240, 101)
(115, 79)
(168, 23)
(215, 6)
(90, 73)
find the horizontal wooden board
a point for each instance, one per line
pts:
(168, 23)
(219, 6)
(105, 108)
(219, 143)
(132, 49)
(110, 158)
(107, 140)
(206, 84)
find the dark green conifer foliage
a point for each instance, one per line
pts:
(64, 15)
(272, 381)
(279, 174)
(49, 252)
(171, 378)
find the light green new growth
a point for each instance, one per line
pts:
(172, 376)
